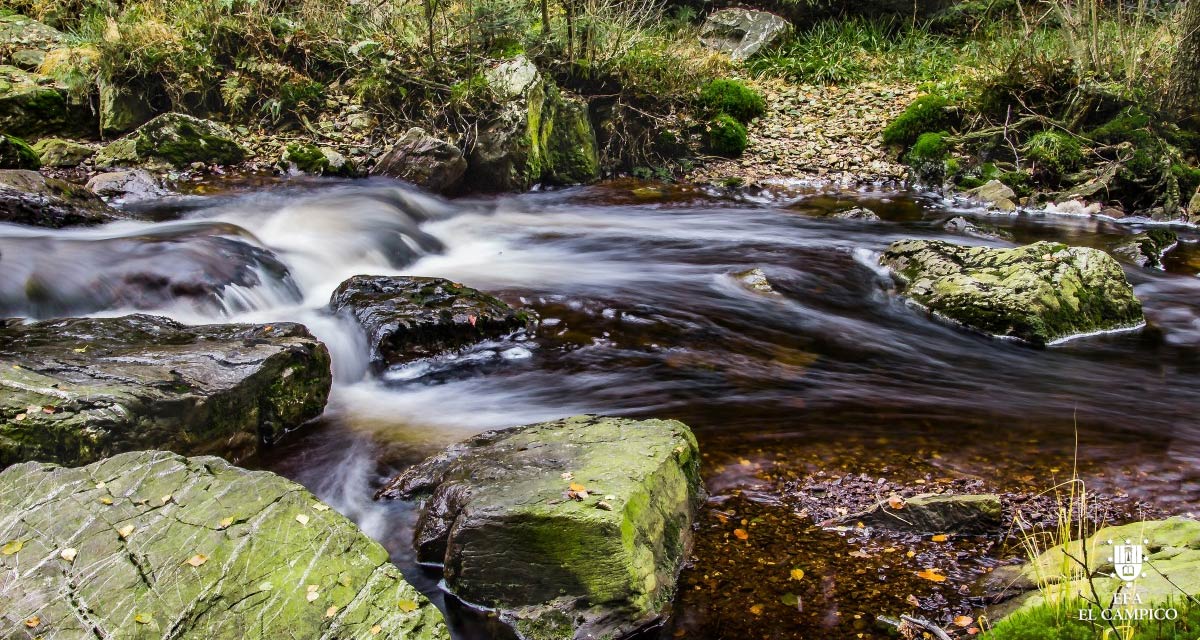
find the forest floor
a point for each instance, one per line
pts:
(827, 133)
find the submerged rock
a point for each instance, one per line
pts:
(127, 186)
(755, 280)
(423, 160)
(1039, 293)
(57, 152)
(408, 317)
(311, 159)
(79, 389)
(28, 197)
(1147, 249)
(152, 544)
(741, 33)
(173, 140)
(933, 513)
(575, 528)
(959, 224)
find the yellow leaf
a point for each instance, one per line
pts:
(125, 531)
(932, 575)
(941, 537)
(143, 618)
(68, 554)
(225, 522)
(741, 534)
(896, 502)
(320, 507)
(33, 621)
(197, 560)
(81, 349)
(106, 500)
(406, 605)
(964, 621)
(576, 487)
(312, 588)
(12, 547)
(331, 611)
(165, 499)
(375, 630)
(302, 519)
(756, 609)
(797, 574)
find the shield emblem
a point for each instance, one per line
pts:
(1127, 561)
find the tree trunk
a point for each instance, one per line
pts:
(1183, 94)
(429, 19)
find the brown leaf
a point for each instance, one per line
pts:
(911, 599)
(197, 559)
(931, 575)
(964, 621)
(32, 621)
(741, 534)
(756, 609)
(125, 531)
(941, 537)
(896, 502)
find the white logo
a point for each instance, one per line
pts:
(1127, 559)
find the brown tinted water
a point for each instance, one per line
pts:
(835, 377)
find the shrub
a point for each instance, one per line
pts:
(726, 136)
(733, 98)
(1054, 152)
(925, 114)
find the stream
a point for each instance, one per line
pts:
(642, 316)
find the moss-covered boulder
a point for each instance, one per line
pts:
(15, 153)
(79, 389)
(122, 109)
(173, 140)
(150, 544)
(575, 528)
(19, 34)
(1039, 293)
(314, 160)
(57, 152)
(1146, 249)
(28, 197)
(408, 317)
(540, 134)
(33, 105)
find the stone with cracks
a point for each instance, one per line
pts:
(741, 33)
(932, 514)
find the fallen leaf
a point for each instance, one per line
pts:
(100, 485)
(320, 507)
(20, 417)
(32, 621)
(912, 600)
(576, 487)
(143, 618)
(331, 611)
(756, 609)
(797, 574)
(106, 501)
(932, 575)
(12, 547)
(973, 630)
(312, 588)
(265, 586)
(567, 475)
(225, 522)
(896, 502)
(964, 621)
(125, 531)
(68, 554)
(789, 600)
(165, 499)
(472, 320)
(81, 349)
(741, 534)
(302, 519)
(375, 630)
(406, 605)
(859, 553)
(941, 537)
(312, 595)
(744, 462)
(197, 559)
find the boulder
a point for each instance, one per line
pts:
(741, 33)
(995, 195)
(127, 186)
(861, 214)
(426, 161)
(319, 161)
(408, 317)
(575, 528)
(151, 544)
(755, 280)
(933, 513)
(541, 134)
(36, 105)
(1039, 293)
(19, 34)
(57, 152)
(173, 140)
(79, 389)
(1170, 567)
(122, 110)
(1147, 249)
(28, 197)
(15, 153)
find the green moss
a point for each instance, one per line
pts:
(1062, 623)
(1055, 153)
(929, 156)
(16, 154)
(733, 98)
(925, 114)
(307, 158)
(726, 136)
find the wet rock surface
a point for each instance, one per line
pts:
(77, 390)
(173, 140)
(741, 33)
(933, 513)
(423, 160)
(1146, 249)
(128, 186)
(152, 544)
(572, 529)
(1038, 293)
(27, 197)
(407, 318)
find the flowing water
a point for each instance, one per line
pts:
(642, 316)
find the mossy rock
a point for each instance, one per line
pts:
(932, 513)
(575, 528)
(101, 386)
(1147, 249)
(57, 152)
(409, 317)
(28, 197)
(15, 153)
(174, 140)
(571, 152)
(307, 158)
(151, 544)
(36, 105)
(1039, 293)
(726, 136)
(926, 114)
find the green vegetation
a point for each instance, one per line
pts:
(734, 98)
(925, 114)
(1055, 623)
(15, 153)
(726, 136)
(928, 156)
(1054, 152)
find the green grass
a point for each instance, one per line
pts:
(1053, 623)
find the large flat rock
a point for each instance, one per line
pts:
(77, 390)
(407, 317)
(154, 545)
(575, 528)
(1039, 293)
